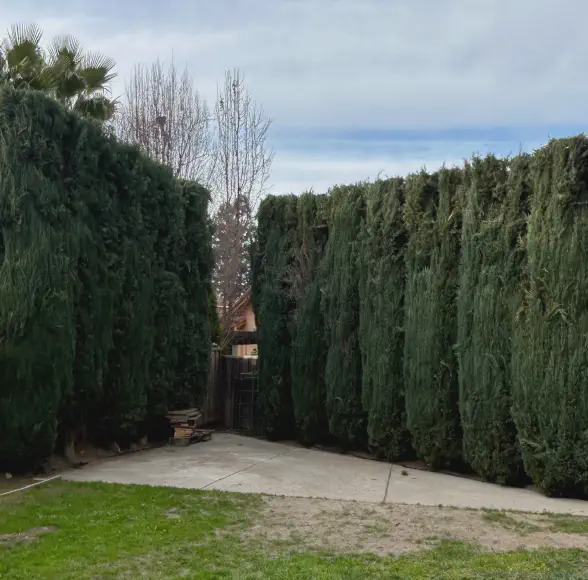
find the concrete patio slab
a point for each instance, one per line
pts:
(233, 463)
(313, 473)
(196, 466)
(428, 488)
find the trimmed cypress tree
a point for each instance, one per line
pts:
(343, 375)
(550, 406)
(433, 220)
(195, 270)
(309, 351)
(99, 274)
(37, 281)
(488, 297)
(273, 306)
(380, 262)
(144, 344)
(101, 325)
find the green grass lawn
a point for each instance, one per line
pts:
(99, 531)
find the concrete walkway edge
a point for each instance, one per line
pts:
(235, 463)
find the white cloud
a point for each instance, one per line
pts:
(298, 173)
(356, 63)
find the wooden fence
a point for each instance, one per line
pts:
(231, 396)
(212, 405)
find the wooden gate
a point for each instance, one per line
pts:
(212, 407)
(240, 378)
(230, 400)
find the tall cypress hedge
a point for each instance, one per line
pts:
(551, 339)
(343, 373)
(433, 221)
(104, 283)
(492, 259)
(99, 267)
(309, 349)
(195, 270)
(447, 309)
(37, 283)
(380, 262)
(273, 305)
(138, 367)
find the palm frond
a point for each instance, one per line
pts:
(96, 79)
(77, 79)
(22, 46)
(68, 85)
(23, 55)
(66, 51)
(24, 33)
(42, 79)
(31, 79)
(98, 60)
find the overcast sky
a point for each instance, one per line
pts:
(359, 87)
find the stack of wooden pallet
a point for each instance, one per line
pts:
(185, 424)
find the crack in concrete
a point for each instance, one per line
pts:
(387, 485)
(249, 467)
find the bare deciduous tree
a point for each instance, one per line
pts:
(226, 151)
(232, 242)
(243, 157)
(167, 117)
(241, 170)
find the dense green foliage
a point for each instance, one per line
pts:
(79, 80)
(447, 314)
(433, 220)
(194, 270)
(380, 263)
(551, 337)
(489, 295)
(104, 284)
(308, 330)
(343, 374)
(273, 304)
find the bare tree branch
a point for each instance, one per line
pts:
(241, 171)
(243, 157)
(168, 118)
(227, 151)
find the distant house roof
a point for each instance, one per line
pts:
(236, 315)
(239, 319)
(242, 303)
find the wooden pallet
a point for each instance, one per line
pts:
(189, 416)
(196, 436)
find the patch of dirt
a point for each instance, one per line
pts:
(16, 482)
(174, 514)
(87, 454)
(352, 527)
(25, 537)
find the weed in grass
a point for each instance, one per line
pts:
(567, 524)
(509, 522)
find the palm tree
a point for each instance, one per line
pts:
(78, 79)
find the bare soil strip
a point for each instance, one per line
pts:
(353, 527)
